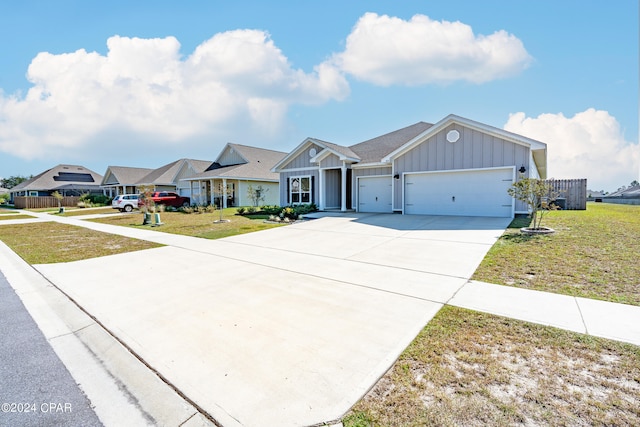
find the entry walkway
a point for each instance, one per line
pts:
(290, 326)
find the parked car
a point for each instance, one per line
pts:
(126, 202)
(168, 198)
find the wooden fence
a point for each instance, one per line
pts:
(573, 191)
(22, 202)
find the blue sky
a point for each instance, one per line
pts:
(148, 82)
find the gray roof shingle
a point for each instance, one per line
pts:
(374, 150)
(59, 177)
(258, 166)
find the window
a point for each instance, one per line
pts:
(300, 189)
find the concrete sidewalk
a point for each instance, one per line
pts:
(281, 332)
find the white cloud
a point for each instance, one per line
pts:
(145, 89)
(588, 145)
(387, 50)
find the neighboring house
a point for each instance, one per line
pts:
(122, 179)
(230, 175)
(68, 180)
(170, 177)
(127, 180)
(627, 196)
(454, 167)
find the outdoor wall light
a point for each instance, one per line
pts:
(396, 176)
(522, 169)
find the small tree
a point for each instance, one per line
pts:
(222, 191)
(538, 195)
(58, 197)
(256, 194)
(148, 206)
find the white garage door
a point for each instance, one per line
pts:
(374, 194)
(478, 192)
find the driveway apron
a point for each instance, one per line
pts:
(288, 326)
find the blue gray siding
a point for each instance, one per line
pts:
(473, 150)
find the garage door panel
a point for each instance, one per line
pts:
(375, 194)
(476, 192)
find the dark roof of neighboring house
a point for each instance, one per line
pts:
(374, 150)
(61, 177)
(166, 175)
(258, 166)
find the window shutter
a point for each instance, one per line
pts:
(311, 189)
(288, 191)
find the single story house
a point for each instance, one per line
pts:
(236, 169)
(456, 166)
(171, 177)
(68, 180)
(127, 180)
(122, 179)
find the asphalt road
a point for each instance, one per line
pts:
(36, 389)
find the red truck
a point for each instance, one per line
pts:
(168, 198)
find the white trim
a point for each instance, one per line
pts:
(295, 152)
(357, 207)
(371, 165)
(299, 169)
(300, 177)
(513, 179)
(232, 178)
(235, 151)
(453, 119)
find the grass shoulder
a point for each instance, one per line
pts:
(470, 368)
(52, 242)
(593, 254)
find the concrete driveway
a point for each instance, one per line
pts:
(289, 326)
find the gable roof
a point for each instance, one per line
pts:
(366, 152)
(124, 175)
(167, 174)
(257, 165)
(538, 149)
(60, 177)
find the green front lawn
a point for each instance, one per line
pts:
(594, 254)
(195, 224)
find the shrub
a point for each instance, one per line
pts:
(251, 210)
(187, 209)
(210, 208)
(240, 211)
(99, 199)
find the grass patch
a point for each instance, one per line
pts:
(594, 254)
(16, 216)
(52, 242)
(87, 211)
(196, 225)
(470, 368)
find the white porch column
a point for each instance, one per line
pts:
(211, 193)
(224, 193)
(191, 190)
(343, 173)
(321, 191)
